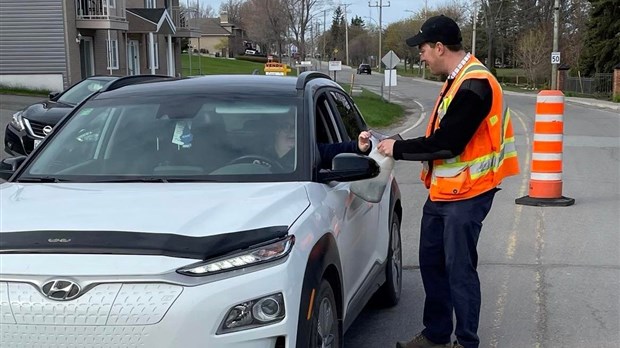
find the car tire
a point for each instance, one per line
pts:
(388, 294)
(325, 327)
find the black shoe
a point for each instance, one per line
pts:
(420, 341)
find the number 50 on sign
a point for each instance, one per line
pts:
(555, 57)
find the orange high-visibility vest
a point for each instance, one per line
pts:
(490, 155)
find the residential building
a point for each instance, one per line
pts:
(51, 44)
(218, 35)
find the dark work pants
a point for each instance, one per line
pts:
(448, 261)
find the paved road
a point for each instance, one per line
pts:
(550, 276)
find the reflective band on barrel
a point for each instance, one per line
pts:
(547, 137)
(550, 99)
(549, 117)
(547, 156)
(546, 176)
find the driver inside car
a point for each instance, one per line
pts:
(284, 144)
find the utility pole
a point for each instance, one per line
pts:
(473, 37)
(556, 29)
(324, 30)
(346, 34)
(380, 5)
(423, 64)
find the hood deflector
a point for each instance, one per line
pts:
(135, 243)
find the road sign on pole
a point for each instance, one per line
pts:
(555, 57)
(390, 60)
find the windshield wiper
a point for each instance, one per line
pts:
(40, 179)
(155, 179)
(144, 179)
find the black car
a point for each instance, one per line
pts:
(364, 69)
(29, 126)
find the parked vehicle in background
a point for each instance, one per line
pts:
(29, 126)
(180, 224)
(364, 69)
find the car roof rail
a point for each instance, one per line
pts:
(306, 76)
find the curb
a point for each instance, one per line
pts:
(593, 103)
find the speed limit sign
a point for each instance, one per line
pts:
(555, 57)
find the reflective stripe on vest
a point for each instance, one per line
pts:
(447, 179)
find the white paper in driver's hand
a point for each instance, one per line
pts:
(380, 136)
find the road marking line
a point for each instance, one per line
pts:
(500, 302)
(422, 117)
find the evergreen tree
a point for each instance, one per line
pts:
(336, 37)
(601, 51)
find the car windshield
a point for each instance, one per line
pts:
(79, 92)
(175, 138)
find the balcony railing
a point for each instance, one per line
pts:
(100, 9)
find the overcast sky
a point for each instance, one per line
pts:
(395, 12)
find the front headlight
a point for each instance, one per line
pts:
(17, 121)
(257, 312)
(255, 256)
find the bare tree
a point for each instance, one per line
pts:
(233, 9)
(575, 16)
(533, 50)
(266, 23)
(199, 9)
(299, 14)
(492, 12)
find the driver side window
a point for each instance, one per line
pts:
(351, 120)
(326, 130)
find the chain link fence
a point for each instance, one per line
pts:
(600, 85)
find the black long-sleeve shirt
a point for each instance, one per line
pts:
(471, 104)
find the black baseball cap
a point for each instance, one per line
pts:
(437, 29)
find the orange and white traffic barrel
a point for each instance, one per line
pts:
(546, 174)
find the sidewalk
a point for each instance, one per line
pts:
(594, 102)
(576, 100)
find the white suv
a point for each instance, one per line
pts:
(158, 215)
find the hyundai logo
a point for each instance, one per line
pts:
(47, 130)
(61, 290)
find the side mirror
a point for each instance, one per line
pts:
(350, 167)
(8, 166)
(53, 95)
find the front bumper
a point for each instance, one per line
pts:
(147, 314)
(17, 143)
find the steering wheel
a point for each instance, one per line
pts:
(257, 159)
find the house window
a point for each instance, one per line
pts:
(150, 3)
(112, 3)
(112, 48)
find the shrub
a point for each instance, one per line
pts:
(203, 50)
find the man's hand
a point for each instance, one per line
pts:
(363, 141)
(386, 147)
